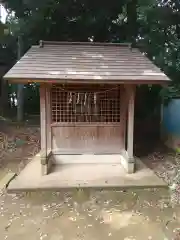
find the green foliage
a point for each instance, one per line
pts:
(153, 25)
(70, 19)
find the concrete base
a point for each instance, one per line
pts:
(82, 176)
(85, 159)
(127, 163)
(46, 169)
(122, 158)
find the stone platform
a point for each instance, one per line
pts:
(99, 175)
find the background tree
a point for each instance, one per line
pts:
(152, 25)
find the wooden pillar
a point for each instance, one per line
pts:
(130, 123)
(43, 118)
(45, 112)
(123, 112)
(130, 128)
(127, 159)
(48, 118)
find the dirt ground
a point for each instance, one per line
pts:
(82, 215)
(18, 144)
(87, 215)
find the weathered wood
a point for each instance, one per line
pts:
(43, 118)
(130, 123)
(123, 114)
(54, 64)
(127, 158)
(76, 66)
(91, 139)
(80, 81)
(62, 62)
(84, 75)
(85, 124)
(45, 110)
(48, 117)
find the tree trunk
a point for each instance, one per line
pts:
(20, 102)
(20, 88)
(4, 103)
(4, 98)
(132, 20)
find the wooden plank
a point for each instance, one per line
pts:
(130, 123)
(89, 56)
(67, 60)
(78, 70)
(84, 52)
(87, 139)
(51, 81)
(105, 59)
(83, 72)
(91, 77)
(78, 65)
(85, 124)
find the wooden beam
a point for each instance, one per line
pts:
(48, 80)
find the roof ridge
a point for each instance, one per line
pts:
(42, 43)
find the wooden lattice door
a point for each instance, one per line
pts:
(86, 119)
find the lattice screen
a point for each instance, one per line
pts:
(85, 103)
